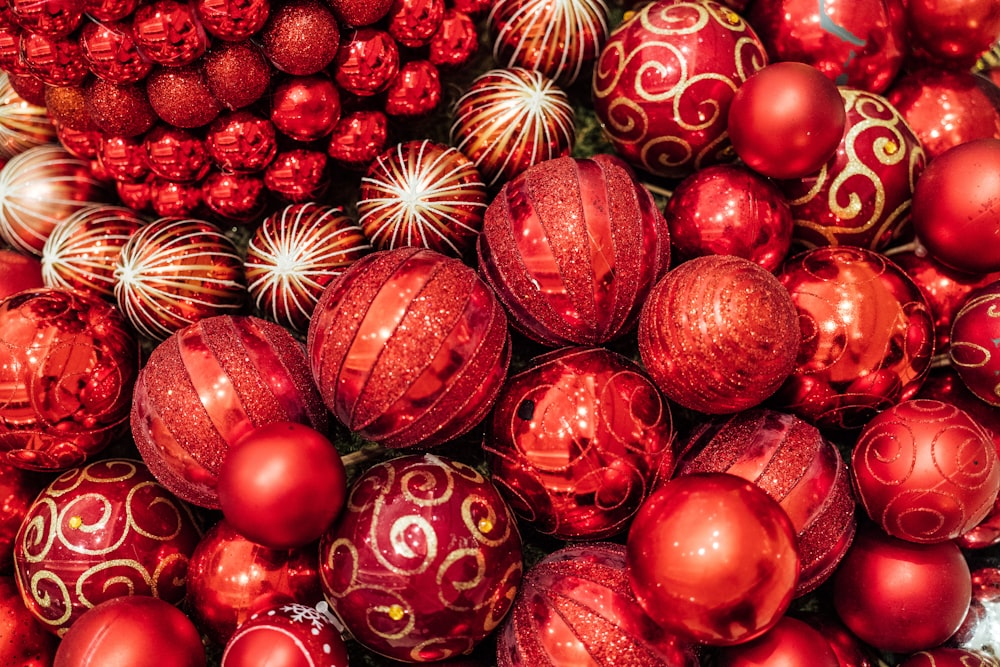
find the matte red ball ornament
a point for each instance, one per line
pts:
(27, 643)
(367, 62)
(300, 37)
(790, 643)
(111, 52)
(425, 560)
(18, 272)
(972, 350)
(415, 91)
(288, 635)
(168, 32)
(99, 532)
(232, 20)
(305, 108)
(952, 34)
(358, 139)
(712, 558)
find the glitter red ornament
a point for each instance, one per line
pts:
(285, 634)
(790, 642)
(28, 643)
(300, 37)
(181, 96)
(305, 108)
(973, 333)
(118, 110)
(367, 62)
(357, 13)
(236, 73)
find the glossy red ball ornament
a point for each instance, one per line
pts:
(239, 198)
(83, 144)
(297, 175)
(294, 254)
(425, 560)
(295, 25)
(664, 81)
(956, 207)
(857, 43)
(18, 489)
(175, 154)
(99, 532)
(419, 350)
(56, 18)
(118, 110)
(124, 157)
(455, 41)
(575, 441)
(367, 62)
(950, 33)
(900, 596)
(241, 141)
(712, 558)
(23, 125)
(510, 119)
(850, 651)
(168, 32)
(18, 272)
(232, 20)
(174, 199)
(181, 96)
(110, 10)
(112, 54)
(26, 643)
(305, 108)
(415, 91)
(231, 578)
(413, 23)
(358, 139)
(575, 606)
(867, 336)
(790, 643)
(237, 73)
(972, 347)
(56, 61)
(729, 210)
(949, 657)
(538, 251)
(137, 196)
(288, 635)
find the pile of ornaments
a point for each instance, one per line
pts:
(516, 410)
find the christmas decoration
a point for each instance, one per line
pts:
(208, 386)
(664, 81)
(408, 347)
(99, 532)
(118, 110)
(365, 12)
(425, 560)
(23, 125)
(358, 139)
(27, 643)
(67, 365)
(455, 42)
(713, 559)
(296, 23)
(718, 334)
(867, 336)
(413, 22)
(297, 175)
(236, 197)
(18, 489)
(367, 62)
(232, 20)
(979, 630)
(575, 440)
(181, 96)
(238, 74)
(305, 108)
(416, 91)
(572, 247)
(168, 32)
(850, 651)
(949, 657)
(575, 607)
(124, 158)
(241, 141)
(973, 333)
(790, 642)
(951, 34)
(287, 635)
(18, 272)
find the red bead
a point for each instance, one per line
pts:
(175, 154)
(790, 643)
(286, 635)
(358, 138)
(949, 33)
(28, 643)
(972, 347)
(236, 73)
(168, 32)
(413, 23)
(298, 22)
(415, 91)
(237, 197)
(112, 54)
(181, 96)
(367, 62)
(305, 108)
(233, 20)
(241, 142)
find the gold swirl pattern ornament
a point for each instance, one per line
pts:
(99, 532)
(975, 343)
(23, 125)
(862, 196)
(425, 561)
(664, 81)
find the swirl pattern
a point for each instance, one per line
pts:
(975, 340)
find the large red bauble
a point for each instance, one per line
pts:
(231, 578)
(956, 207)
(925, 471)
(67, 367)
(305, 108)
(575, 607)
(208, 386)
(900, 596)
(795, 465)
(867, 336)
(425, 560)
(712, 558)
(949, 657)
(790, 643)
(56, 61)
(137, 631)
(99, 532)
(168, 32)
(858, 43)
(718, 334)
(240, 198)
(664, 81)
(408, 347)
(294, 24)
(25, 642)
(456, 40)
(289, 635)
(18, 272)
(974, 331)
(124, 158)
(953, 33)
(176, 200)
(572, 247)
(575, 441)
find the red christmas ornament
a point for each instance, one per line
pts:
(232, 20)
(22, 125)
(175, 154)
(27, 643)
(419, 350)
(65, 105)
(122, 111)
(18, 489)
(358, 138)
(305, 108)
(137, 196)
(55, 18)
(949, 657)
(509, 119)
(242, 142)
(850, 651)
(229, 361)
(124, 157)
(956, 207)
(297, 175)
(972, 335)
(18, 272)
(356, 13)
(867, 336)
(472, 7)
(797, 467)
(110, 10)
(168, 32)
(124, 631)
(173, 199)
(57, 61)
(575, 441)
(413, 23)
(112, 54)
(425, 560)
(953, 34)
(367, 62)
(900, 596)
(67, 365)
(572, 247)
(729, 210)
(82, 144)
(415, 91)
(718, 334)
(857, 43)
(575, 607)
(712, 558)
(237, 73)
(664, 81)
(300, 37)
(420, 193)
(455, 41)
(286, 636)
(790, 643)
(979, 630)
(294, 254)
(231, 578)
(100, 532)
(235, 197)
(181, 96)
(39, 189)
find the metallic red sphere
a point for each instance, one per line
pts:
(972, 349)
(286, 633)
(305, 108)
(111, 52)
(241, 141)
(168, 32)
(29, 644)
(790, 643)
(367, 62)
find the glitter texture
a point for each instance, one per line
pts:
(181, 96)
(301, 37)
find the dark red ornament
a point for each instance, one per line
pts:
(949, 33)
(111, 52)
(235, 197)
(118, 110)
(181, 96)
(413, 23)
(110, 10)
(56, 61)
(18, 272)
(124, 157)
(242, 142)
(55, 18)
(972, 343)
(175, 154)
(367, 62)
(236, 73)
(287, 635)
(27, 643)
(455, 41)
(300, 37)
(297, 175)
(168, 32)
(415, 91)
(233, 20)
(305, 108)
(790, 643)
(358, 138)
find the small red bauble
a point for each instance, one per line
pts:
(168, 32)
(110, 10)
(415, 91)
(57, 61)
(409, 347)
(900, 596)
(425, 560)
(241, 141)
(228, 361)
(112, 54)
(124, 158)
(359, 138)
(572, 247)
(455, 41)
(18, 489)
(294, 254)
(236, 73)
(575, 441)
(510, 119)
(66, 106)
(367, 62)
(719, 334)
(236, 197)
(790, 643)
(664, 81)
(99, 532)
(973, 335)
(297, 175)
(413, 23)
(138, 631)
(712, 558)
(118, 110)
(953, 34)
(174, 199)
(289, 635)
(232, 20)
(27, 643)
(305, 108)
(867, 336)
(78, 143)
(137, 196)
(18, 272)
(175, 154)
(355, 13)
(300, 37)
(56, 18)
(949, 657)
(575, 607)
(181, 96)
(956, 207)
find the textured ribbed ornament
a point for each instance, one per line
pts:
(173, 272)
(294, 254)
(421, 193)
(510, 119)
(22, 125)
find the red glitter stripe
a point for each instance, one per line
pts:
(279, 380)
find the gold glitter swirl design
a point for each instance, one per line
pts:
(23, 125)
(974, 338)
